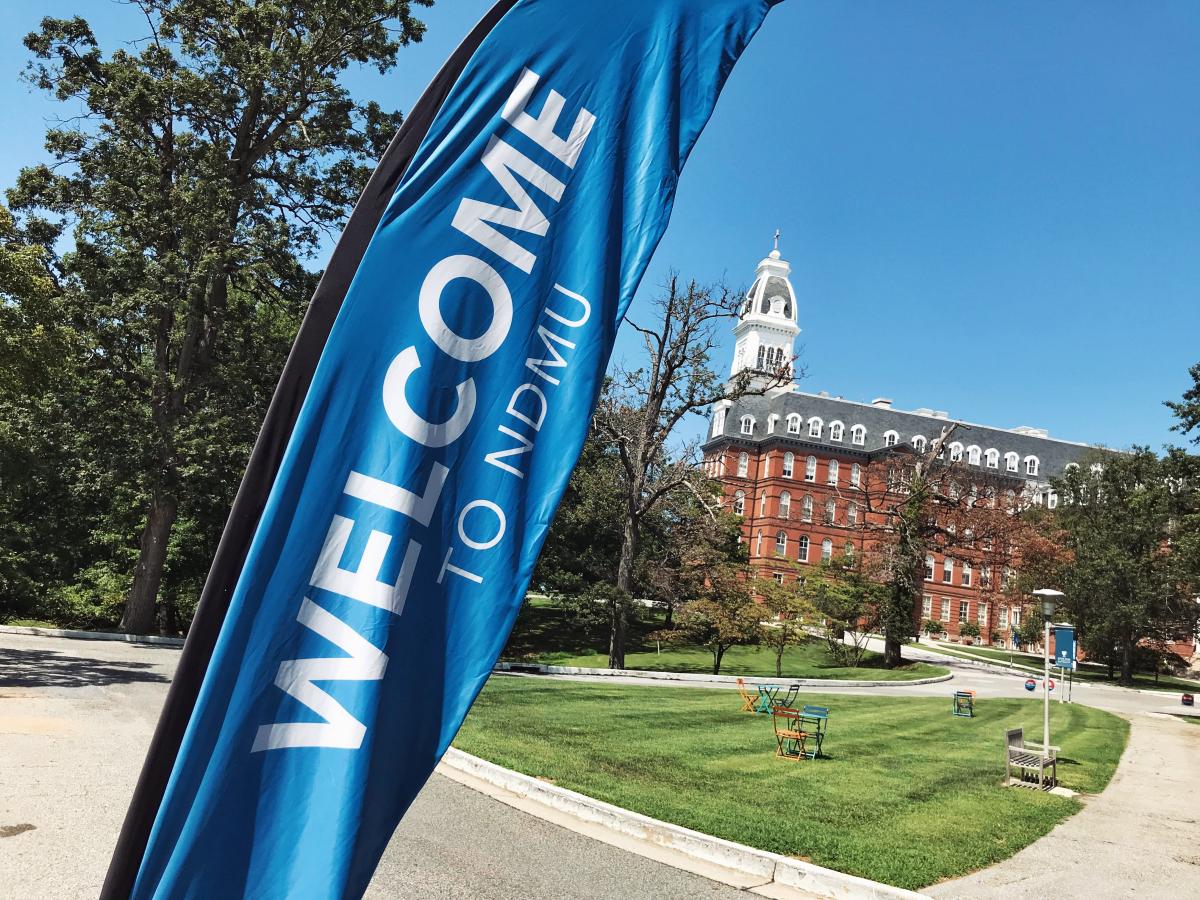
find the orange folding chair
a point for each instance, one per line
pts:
(749, 701)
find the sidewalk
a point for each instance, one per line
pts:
(1140, 837)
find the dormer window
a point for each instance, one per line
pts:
(836, 430)
(793, 424)
(890, 439)
(747, 424)
(956, 452)
(1011, 461)
(919, 443)
(993, 458)
(815, 426)
(973, 455)
(718, 421)
(858, 435)
(1031, 465)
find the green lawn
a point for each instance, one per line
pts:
(1086, 672)
(546, 633)
(909, 794)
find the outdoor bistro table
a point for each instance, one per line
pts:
(766, 695)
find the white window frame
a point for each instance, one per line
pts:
(1031, 465)
(858, 435)
(802, 543)
(891, 438)
(785, 504)
(739, 503)
(793, 424)
(789, 464)
(851, 513)
(826, 550)
(1012, 461)
(855, 474)
(815, 427)
(806, 508)
(810, 469)
(947, 571)
(743, 467)
(966, 574)
(929, 567)
(927, 606)
(830, 511)
(992, 458)
(781, 547)
(747, 425)
(956, 452)
(974, 455)
(836, 431)
(945, 610)
(832, 472)
(919, 443)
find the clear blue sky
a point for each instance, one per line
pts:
(990, 208)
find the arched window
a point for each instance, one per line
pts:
(758, 543)
(947, 571)
(826, 549)
(785, 504)
(919, 443)
(967, 572)
(1011, 461)
(718, 421)
(747, 424)
(806, 508)
(781, 543)
(851, 513)
(1031, 465)
(789, 463)
(929, 568)
(766, 466)
(803, 553)
(743, 464)
(849, 550)
(814, 427)
(956, 452)
(858, 435)
(793, 423)
(830, 511)
(810, 469)
(836, 430)
(833, 472)
(890, 438)
(973, 455)
(855, 474)
(993, 458)
(739, 503)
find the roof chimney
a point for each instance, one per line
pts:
(882, 402)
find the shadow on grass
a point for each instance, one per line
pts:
(47, 668)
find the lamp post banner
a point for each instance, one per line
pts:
(443, 418)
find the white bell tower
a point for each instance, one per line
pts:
(767, 326)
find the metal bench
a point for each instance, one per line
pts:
(1030, 762)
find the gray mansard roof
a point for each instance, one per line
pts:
(1053, 455)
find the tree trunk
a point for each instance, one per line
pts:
(139, 614)
(718, 654)
(1127, 661)
(779, 661)
(616, 638)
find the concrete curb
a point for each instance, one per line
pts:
(766, 869)
(540, 669)
(93, 635)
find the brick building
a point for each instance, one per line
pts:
(797, 466)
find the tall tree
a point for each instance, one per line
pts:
(724, 615)
(641, 408)
(207, 160)
(1187, 409)
(1128, 520)
(921, 501)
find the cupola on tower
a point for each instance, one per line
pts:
(767, 326)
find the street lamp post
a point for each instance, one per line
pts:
(1050, 599)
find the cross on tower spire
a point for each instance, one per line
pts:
(776, 238)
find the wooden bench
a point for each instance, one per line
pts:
(1031, 762)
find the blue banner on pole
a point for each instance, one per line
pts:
(1064, 646)
(444, 417)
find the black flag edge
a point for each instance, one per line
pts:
(265, 460)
